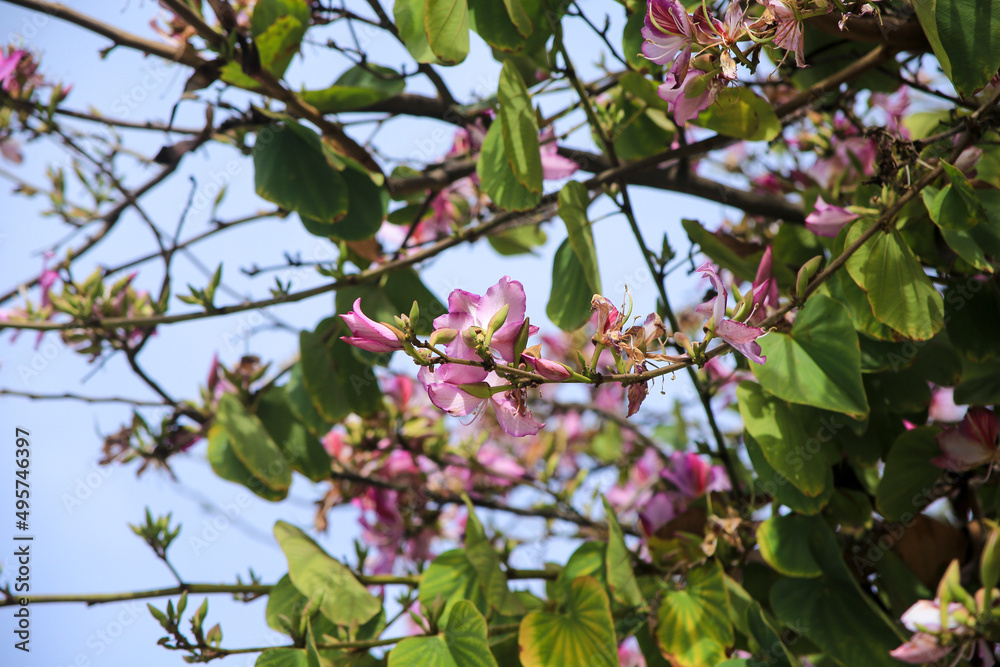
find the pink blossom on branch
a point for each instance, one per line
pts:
(827, 220)
(369, 334)
(972, 443)
(466, 310)
(742, 337)
(692, 94)
(693, 477)
(668, 31)
(554, 166)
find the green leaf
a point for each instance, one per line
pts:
(228, 466)
(283, 657)
(267, 12)
(583, 635)
(972, 309)
(784, 544)
(833, 612)
(621, 578)
(744, 268)
(409, 19)
(497, 177)
(569, 302)
(573, 202)
(969, 34)
(278, 29)
(452, 577)
(366, 208)
(519, 16)
(777, 427)
(302, 405)
(520, 129)
(900, 293)
(492, 21)
(285, 605)
(462, 644)
(926, 14)
(741, 113)
(693, 626)
(980, 383)
(301, 448)
(326, 583)
(291, 170)
(337, 381)
(909, 474)
(774, 484)
(356, 88)
(819, 362)
(519, 240)
(632, 40)
(252, 445)
(485, 560)
(955, 207)
(446, 23)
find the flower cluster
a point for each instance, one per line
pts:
(702, 51)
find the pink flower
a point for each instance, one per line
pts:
(693, 477)
(688, 97)
(369, 334)
(629, 654)
(11, 149)
(742, 337)
(444, 387)
(970, 444)
(921, 648)
(554, 166)
(668, 31)
(467, 310)
(827, 220)
(788, 29)
(8, 65)
(924, 618)
(660, 510)
(765, 289)
(942, 407)
(500, 467)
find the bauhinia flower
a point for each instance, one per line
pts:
(974, 442)
(787, 27)
(742, 337)
(690, 94)
(827, 220)
(470, 311)
(693, 477)
(765, 289)
(554, 166)
(462, 390)
(923, 618)
(668, 31)
(369, 334)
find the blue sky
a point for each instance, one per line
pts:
(79, 511)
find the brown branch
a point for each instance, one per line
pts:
(185, 56)
(85, 399)
(692, 184)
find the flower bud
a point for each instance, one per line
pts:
(989, 562)
(685, 342)
(497, 321)
(415, 312)
(442, 336)
(806, 274)
(521, 342)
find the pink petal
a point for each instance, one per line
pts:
(369, 334)
(550, 370)
(9, 64)
(517, 423)
(743, 339)
(827, 220)
(709, 271)
(453, 400)
(920, 649)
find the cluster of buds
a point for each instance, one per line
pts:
(957, 619)
(92, 299)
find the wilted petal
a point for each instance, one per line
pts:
(637, 393)
(743, 338)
